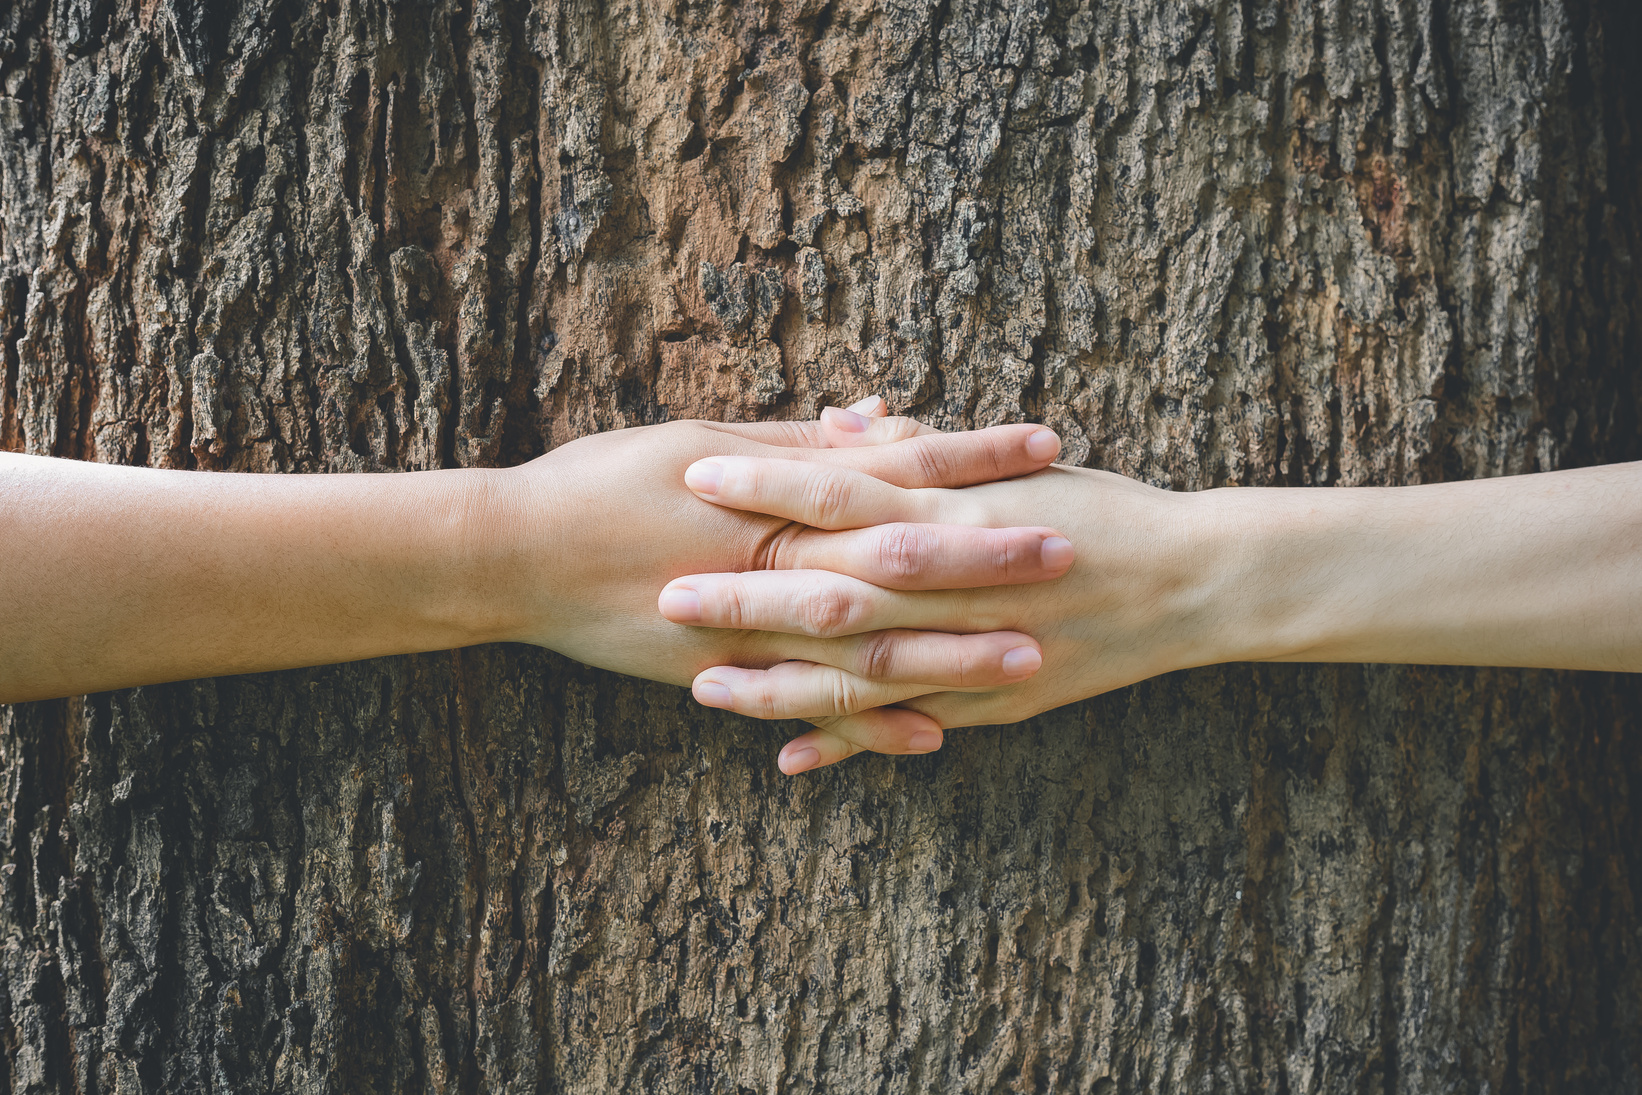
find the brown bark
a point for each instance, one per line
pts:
(1214, 242)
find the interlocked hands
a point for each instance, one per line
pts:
(865, 573)
(952, 598)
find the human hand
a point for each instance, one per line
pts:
(1540, 570)
(590, 585)
(1133, 607)
(568, 551)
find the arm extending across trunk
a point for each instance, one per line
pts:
(1541, 570)
(118, 576)
(1533, 570)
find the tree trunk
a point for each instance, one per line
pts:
(1212, 242)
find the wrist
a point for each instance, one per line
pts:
(1208, 576)
(491, 528)
(1279, 570)
(1162, 581)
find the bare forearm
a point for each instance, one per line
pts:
(114, 576)
(1537, 570)
(120, 576)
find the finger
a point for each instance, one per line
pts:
(813, 435)
(902, 665)
(801, 602)
(795, 690)
(812, 494)
(948, 459)
(906, 555)
(924, 658)
(881, 730)
(788, 435)
(851, 591)
(845, 429)
(953, 708)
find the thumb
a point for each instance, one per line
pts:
(867, 423)
(862, 423)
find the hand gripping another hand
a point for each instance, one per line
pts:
(1097, 632)
(1541, 570)
(871, 575)
(649, 529)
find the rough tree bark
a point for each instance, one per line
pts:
(1212, 242)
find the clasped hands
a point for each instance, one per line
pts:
(877, 578)
(867, 574)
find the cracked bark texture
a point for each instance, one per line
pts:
(1304, 242)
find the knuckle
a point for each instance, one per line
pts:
(881, 738)
(932, 463)
(733, 599)
(845, 695)
(745, 480)
(824, 610)
(878, 655)
(966, 610)
(761, 701)
(1004, 553)
(900, 428)
(778, 550)
(903, 551)
(996, 452)
(830, 496)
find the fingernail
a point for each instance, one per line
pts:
(800, 760)
(1057, 552)
(846, 420)
(925, 741)
(712, 694)
(1020, 662)
(704, 476)
(681, 604)
(866, 406)
(1043, 445)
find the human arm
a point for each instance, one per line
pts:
(120, 576)
(1535, 570)
(1541, 571)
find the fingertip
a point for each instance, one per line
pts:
(712, 694)
(680, 604)
(1022, 661)
(872, 406)
(704, 476)
(926, 741)
(849, 421)
(794, 761)
(1043, 445)
(1056, 552)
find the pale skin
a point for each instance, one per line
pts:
(1533, 570)
(897, 606)
(116, 577)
